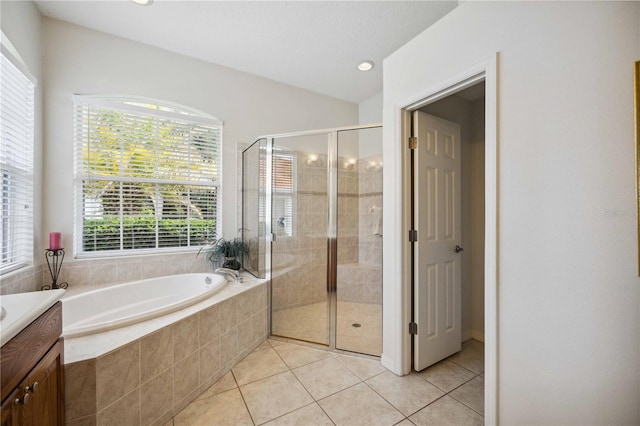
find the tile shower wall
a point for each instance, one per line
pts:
(299, 272)
(360, 231)
(370, 211)
(150, 380)
(299, 261)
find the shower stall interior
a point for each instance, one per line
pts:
(312, 217)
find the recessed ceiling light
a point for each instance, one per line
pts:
(365, 65)
(143, 2)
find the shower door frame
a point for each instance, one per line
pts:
(332, 219)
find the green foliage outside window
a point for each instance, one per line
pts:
(147, 181)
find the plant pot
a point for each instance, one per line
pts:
(231, 263)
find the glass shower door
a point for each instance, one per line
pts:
(299, 222)
(254, 206)
(359, 241)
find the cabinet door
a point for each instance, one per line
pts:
(9, 411)
(44, 385)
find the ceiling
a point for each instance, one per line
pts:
(309, 44)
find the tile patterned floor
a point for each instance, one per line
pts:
(287, 384)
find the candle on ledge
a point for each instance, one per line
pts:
(55, 240)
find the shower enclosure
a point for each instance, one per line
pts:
(312, 216)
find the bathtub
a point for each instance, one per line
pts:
(162, 364)
(120, 305)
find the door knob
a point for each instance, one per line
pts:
(33, 388)
(458, 249)
(24, 401)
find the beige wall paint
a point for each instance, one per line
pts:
(78, 60)
(568, 290)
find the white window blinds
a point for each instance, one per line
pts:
(283, 191)
(147, 176)
(17, 94)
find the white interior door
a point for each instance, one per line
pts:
(437, 218)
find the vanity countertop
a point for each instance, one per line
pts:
(22, 309)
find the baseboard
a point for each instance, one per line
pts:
(387, 363)
(473, 334)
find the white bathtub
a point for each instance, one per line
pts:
(124, 304)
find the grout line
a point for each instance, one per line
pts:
(354, 373)
(242, 396)
(327, 396)
(462, 402)
(460, 365)
(466, 405)
(385, 399)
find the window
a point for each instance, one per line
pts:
(147, 176)
(283, 191)
(17, 110)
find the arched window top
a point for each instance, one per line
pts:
(148, 106)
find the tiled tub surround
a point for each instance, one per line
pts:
(146, 373)
(24, 280)
(103, 271)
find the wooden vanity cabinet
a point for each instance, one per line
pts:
(33, 373)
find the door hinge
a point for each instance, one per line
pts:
(413, 142)
(273, 237)
(413, 236)
(413, 328)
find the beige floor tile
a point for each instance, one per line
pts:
(364, 368)
(447, 412)
(274, 342)
(325, 377)
(296, 355)
(274, 396)
(446, 375)
(360, 405)
(226, 408)
(471, 356)
(471, 394)
(258, 365)
(311, 415)
(408, 393)
(264, 345)
(225, 383)
(405, 422)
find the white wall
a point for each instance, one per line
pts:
(78, 60)
(568, 290)
(370, 112)
(21, 24)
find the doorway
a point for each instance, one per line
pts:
(449, 223)
(402, 361)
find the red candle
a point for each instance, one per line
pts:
(55, 240)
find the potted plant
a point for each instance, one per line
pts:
(227, 253)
